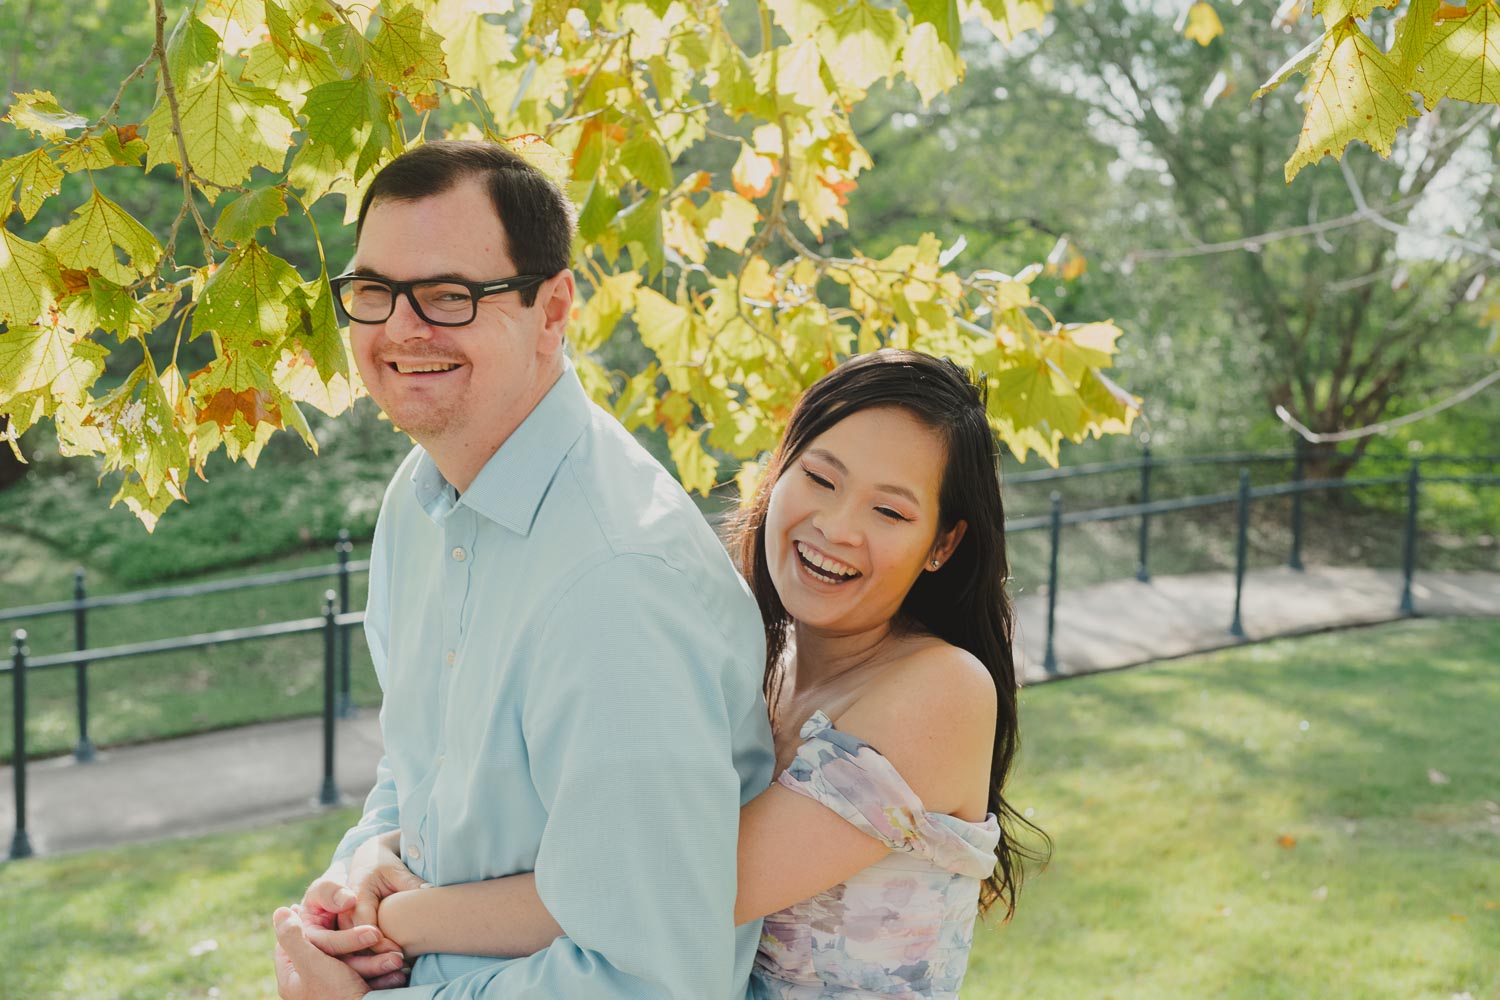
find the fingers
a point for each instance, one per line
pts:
(340, 943)
(366, 905)
(325, 896)
(373, 966)
(390, 981)
(290, 939)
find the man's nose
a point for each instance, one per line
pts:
(404, 323)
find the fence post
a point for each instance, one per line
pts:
(1242, 547)
(1409, 549)
(20, 845)
(1294, 561)
(84, 751)
(1143, 566)
(1049, 661)
(329, 794)
(346, 700)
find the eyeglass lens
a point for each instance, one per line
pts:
(438, 301)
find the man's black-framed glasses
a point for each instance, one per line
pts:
(365, 298)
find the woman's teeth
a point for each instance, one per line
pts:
(824, 566)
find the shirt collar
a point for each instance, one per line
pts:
(510, 487)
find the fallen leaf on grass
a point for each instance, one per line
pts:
(1437, 777)
(1287, 840)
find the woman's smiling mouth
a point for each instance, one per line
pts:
(824, 567)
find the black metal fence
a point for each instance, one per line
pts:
(337, 617)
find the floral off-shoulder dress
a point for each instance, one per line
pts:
(900, 928)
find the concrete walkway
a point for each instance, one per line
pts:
(266, 773)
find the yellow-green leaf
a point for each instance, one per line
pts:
(696, 468)
(1462, 59)
(100, 232)
(1203, 24)
(671, 331)
(140, 428)
(29, 279)
(1008, 19)
(1334, 11)
(928, 62)
(943, 18)
(1354, 92)
(191, 46)
(860, 43)
(38, 111)
(28, 180)
(647, 160)
(601, 311)
(802, 18)
(48, 359)
(729, 220)
(229, 128)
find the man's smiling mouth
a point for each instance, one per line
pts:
(405, 368)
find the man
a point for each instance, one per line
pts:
(571, 666)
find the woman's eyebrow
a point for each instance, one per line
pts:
(843, 470)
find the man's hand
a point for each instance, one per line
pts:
(304, 972)
(325, 915)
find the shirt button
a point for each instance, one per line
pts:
(459, 555)
(449, 657)
(414, 852)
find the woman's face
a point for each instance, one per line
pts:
(853, 520)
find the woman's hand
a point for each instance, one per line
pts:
(375, 872)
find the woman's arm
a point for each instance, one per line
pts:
(934, 720)
(790, 848)
(499, 918)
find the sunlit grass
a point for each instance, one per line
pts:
(1311, 818)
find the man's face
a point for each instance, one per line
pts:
(462, 387)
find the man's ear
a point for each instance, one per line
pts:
(555, 299)
(946, 542)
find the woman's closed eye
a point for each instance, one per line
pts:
(819, 480)
(894, 515)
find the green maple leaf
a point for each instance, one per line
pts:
(99, 234)
(31, 176)
(101, 305)
(347, 119)
(39, 112)
(248, 301)
(640, 231)
(191, 46)
(50, 362)
(1354, 92)
(729, 220)
(860, 43)
(1462, 58)
(647, 160)
(1034, 396)
(314, 365)
(930, 64)
(246, 215)
(602, 311)
(406, 53)
(228, 127)
(1413, 35)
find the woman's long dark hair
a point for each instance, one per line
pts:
(964, 603)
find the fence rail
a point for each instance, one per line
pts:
(337, 618)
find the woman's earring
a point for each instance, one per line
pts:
(936, 563)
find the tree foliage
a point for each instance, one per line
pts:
(711, 161)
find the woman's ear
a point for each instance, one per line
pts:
(946, 542)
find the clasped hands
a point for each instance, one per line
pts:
(330, 946)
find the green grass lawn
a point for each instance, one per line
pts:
(1310, 818)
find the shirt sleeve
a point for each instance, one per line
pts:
(628, 733)
(380, 814)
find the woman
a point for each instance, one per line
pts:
(875, 549)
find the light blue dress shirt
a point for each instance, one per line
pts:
(572, 678)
